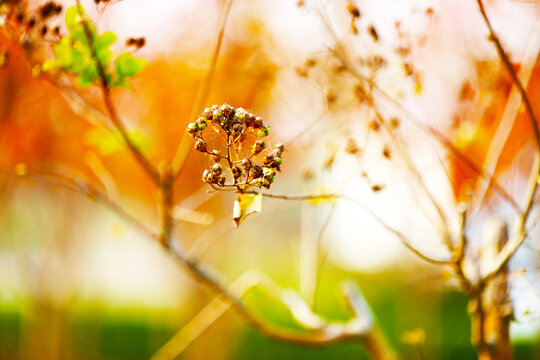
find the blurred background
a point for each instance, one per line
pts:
(77, 282)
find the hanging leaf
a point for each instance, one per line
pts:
(245, 205)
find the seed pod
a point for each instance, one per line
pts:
(236, 171)
(200, 145)
(226, 110)
(208, 113)
(240, 114)
(212, 179)
(238, 129)
(201, 123)
(278, 149)
(217, 169)
(257, 172)
(258, 147)
(266, 183)
(263, 132)
(221, 180)
(257, 123)
(353, 10)
(246, 163)
(268, 159)
(205, 175)
(192, 129)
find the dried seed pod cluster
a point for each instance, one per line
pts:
(257, 167)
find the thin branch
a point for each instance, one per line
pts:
(202, 94)
(521, 234)
(81, 187)
(105, 90)
(418, 177)
(330, 196)
(512, 72)
(318, 331)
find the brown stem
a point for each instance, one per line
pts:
(105, 90)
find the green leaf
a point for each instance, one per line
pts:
(73, 16)
(128, 65)
(245, 205)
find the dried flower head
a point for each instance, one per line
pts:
(239, 130)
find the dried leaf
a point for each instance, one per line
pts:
(245, 205)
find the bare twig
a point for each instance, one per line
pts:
(202, 94)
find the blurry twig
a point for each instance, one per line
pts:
(341, 54)
(202, 94)
(81, 187)
(317, 330)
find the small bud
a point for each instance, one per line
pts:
(226, 109)
(216, 114)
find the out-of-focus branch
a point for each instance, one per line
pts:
(81, 187)
(341, 54)
(106, 93)
(318, 331)
(521, 234)
(418, 177)
(202, 94)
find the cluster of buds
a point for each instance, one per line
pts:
(253, 168)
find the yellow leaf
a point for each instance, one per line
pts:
(245, 205)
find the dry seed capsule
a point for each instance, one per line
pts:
(236, 171)
(258, 146)
(246, 163)
(200, 145)
(257, 122)
(207, 113)
(205, 175)
(221, 180)
(201, 123)
(263, 132)
(192, 129)
(217, 169)
(257, 172)
(278, 149)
